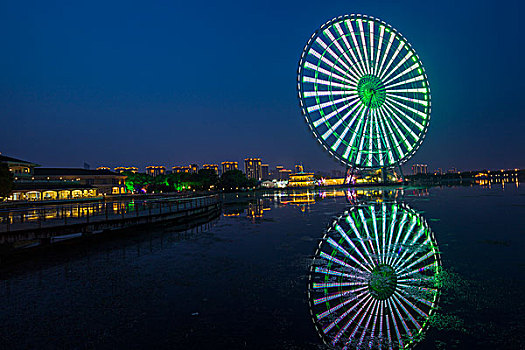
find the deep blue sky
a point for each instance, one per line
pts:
(177, 82)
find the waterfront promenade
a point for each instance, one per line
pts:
(46, 223)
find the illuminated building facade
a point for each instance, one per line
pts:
(103, 168)
(227, 166)
(213, 167)
(301, 180)
(20, 168)
(194, 168)
(122, 169)
(252, 168)
(155, 170)
(419, 169)
(299, 168)
(181, 169)
(265, 171)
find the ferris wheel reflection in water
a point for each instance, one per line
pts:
(373, 279)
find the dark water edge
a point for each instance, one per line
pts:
(240, 281)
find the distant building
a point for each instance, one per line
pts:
(419, 169)
(452, 171)
(155, 170)
(181, 169)
(19, 168)
(194, 168)
(265, 171)
(213, 167)
(284, 174)
(299, 168)
(131, 169)
(301, 180)
(103, 168)
(252, 168)
(227, 166)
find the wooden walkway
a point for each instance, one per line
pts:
(48, 222)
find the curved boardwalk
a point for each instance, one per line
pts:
(47, 222)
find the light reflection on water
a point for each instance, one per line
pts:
(242, 281)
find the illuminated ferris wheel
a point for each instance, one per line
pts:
(364, 92)
(373, 280)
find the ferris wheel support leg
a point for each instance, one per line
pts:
(401, 171)
(349, 175)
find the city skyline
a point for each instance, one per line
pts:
(125, 92)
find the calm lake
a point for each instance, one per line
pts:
(242, 280)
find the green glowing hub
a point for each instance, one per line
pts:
(371, 91)
(382, 283)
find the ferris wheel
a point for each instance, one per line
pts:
(373, 280)
(364, 92)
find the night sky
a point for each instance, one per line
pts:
(178, 82)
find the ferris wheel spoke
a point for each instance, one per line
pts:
(365, 328)
(330, 74)
(379, 141)
(385, 138)
(331, 52)
(376, 234)
(354, 134)
(363, 303)
(331, 130)
(389, 101)
(412, 243)
(406, 71)
(421, 269)
(398, 232)
(357, 276)
(383, 221)
(408, 99)
(334, 308)
(368, 238)
(375, 312)
(364, 44)
(395, 141)
(399, 64)
(385, 54)
(418, 261)
(320, 93)
(329, 116)
(364, 313)
(404, 82)
(389, 107)
(327, 104)
(335, 146)
(328, 33)
(332, 65)
(379, 47)
(406, 312)
(394, 56)
(405, 290)
(362, 140)
(338, 295)
(343, 251)
(366, 257)
(356, 45)
(316, 81)
(355, 62)
(412, 305)
(406, 234)
(394, 323)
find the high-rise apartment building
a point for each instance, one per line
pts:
(252, 168)
(227, 166)
(265, 171)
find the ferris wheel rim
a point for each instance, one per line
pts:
(316, 134)
(425, 323)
